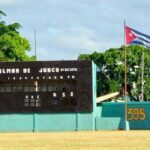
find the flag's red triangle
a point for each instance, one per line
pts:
(130, 36)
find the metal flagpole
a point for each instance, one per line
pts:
(125, 61)
(142, 65)
(125, 81)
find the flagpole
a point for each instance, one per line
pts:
(125, 61)
(142, 92)
(125, 80)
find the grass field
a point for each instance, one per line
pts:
(120, 140)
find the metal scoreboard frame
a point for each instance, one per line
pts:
(46, 86)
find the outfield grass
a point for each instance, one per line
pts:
(120, 140)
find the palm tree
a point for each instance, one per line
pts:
(2, 13)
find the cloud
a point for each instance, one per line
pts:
(69, 43)
(74, 38)
(8, 2)
(76, 43)
(44, 53)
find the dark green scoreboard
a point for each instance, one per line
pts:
(46, 86)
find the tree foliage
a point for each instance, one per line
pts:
(111, 68)
(2, 13)
(13, 46)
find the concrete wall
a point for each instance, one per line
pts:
(46, 122)
(111, 116)
(16, 122)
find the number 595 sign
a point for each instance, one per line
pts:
(136, 114)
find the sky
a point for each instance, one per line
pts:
(67, 28)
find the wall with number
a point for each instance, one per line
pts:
(112, 115)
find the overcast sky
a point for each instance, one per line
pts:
(67, 28)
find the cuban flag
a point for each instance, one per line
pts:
(135, 37)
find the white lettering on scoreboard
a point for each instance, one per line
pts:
(9, 70)
(41, 70)
(42, 78)
(24, 73)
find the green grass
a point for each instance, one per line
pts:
(120, 140)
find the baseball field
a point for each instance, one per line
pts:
(88, 140)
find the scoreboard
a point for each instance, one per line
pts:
(46, 86)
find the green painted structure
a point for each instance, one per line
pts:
(111, 116)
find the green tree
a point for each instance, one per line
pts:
(13, 46)
(111, 68)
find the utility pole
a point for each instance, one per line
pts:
(35, 53)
